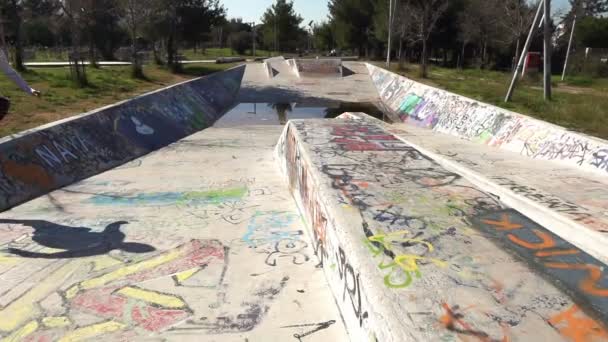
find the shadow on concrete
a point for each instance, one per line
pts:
(76, 242)
(347, 72)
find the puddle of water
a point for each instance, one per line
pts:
(280, 113)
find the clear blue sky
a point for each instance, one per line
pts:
(252, 10)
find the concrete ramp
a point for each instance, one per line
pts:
(35, 162)
(278, 67)
(420, 105)
(414, 252)
(326, 67)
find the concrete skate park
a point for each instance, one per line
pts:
(303, 200)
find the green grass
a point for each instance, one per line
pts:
(213, 53)
(579, 103)
(61, 99)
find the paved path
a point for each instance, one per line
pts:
(197, 241)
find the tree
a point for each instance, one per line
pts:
(324, 36)
(136, 13)
(427, 13)
(13, 11)
(281, 29)
(240, 41)
(516, 21)
(183, 20)
(353, 21)
(72, 11)
(593, 32)
(104, 32)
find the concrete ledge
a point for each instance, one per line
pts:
(445, 112)
(38, 161)
(576, 229)
(412, 251)
(294, 67)
(328, 67)
(224, 60)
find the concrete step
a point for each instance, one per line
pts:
(413, 251)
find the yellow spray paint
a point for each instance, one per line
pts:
(131, 269)
(25, 308)
(92, 331)
(153, 297)
(22, 333)
(56, 322)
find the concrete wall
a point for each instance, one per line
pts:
(52, 156)
(324, 67)
(414, 252)
(449, 113)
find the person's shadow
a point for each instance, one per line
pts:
(77, 242)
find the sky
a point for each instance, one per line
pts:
(316, 10)
(252, 10)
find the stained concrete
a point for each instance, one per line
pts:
(402, 233)
(227, 256)
(415, 252)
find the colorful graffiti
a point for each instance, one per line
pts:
(448, 113)
(418, 221)
(114, 295)
(59, 155)
(567, 265)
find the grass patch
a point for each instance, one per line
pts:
(61, 99)
(579, 104)
(213, 53)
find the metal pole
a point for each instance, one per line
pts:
(548, 51)
(569, 47)
(524, 53)
(390, 29)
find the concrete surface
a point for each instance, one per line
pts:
(322, 67)
(221, 255)
(420, 230)
(35, 162)
(413, 251)
(286, 87)
(449, 113)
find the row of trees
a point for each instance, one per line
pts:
(101, 26)
(489, 32)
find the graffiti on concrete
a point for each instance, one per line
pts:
(448, 113)
(573, 210)
(309, 329)
(567, 265)
(55, 156)
(416, 218)
(113, 292)
(326, 246)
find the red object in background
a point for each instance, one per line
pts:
(533, 63)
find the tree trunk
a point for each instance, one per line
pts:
(401, 56)
(424, 59)
(18, 43)
(461, 63)
(483, 55)
(92, 56)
